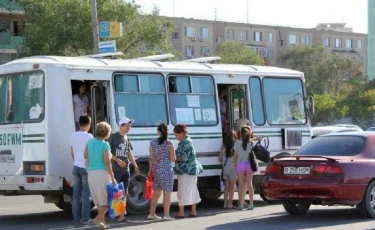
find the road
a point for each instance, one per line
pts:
(30, 213)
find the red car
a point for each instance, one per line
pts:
(334, 169)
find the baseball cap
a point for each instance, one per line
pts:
(125, 120)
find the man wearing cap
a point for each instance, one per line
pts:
(121, 154)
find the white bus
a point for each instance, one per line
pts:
(36, 115)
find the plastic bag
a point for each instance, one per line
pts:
(116, 200)
(149, 191)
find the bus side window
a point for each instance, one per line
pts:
(256, 101)
(192, 100)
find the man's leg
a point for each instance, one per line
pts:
(77, 191)
(86, 203)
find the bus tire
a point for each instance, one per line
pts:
(210, 194)
(65, 206)
(136, 202)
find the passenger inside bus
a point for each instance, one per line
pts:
(223, 90)
(81, 102)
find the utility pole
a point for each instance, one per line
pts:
(247, 11)
(95, 29)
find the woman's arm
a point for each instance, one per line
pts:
(172, 153)
(221, 154)
(151, 159)
(107, 161)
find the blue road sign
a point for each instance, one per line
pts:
(104, 29)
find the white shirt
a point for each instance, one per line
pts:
(78, 142)
(81, 106)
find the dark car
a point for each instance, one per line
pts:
(333, 169)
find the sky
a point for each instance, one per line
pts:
(293, 13)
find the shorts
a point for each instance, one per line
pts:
(98, 181)
(124, 177)
(244, 167)
(229, 173)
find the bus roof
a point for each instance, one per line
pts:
(143, 65)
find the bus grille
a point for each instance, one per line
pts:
(292, 139)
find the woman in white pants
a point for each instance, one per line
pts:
(187, 170)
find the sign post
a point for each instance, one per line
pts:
(110, 29)
(107, 46)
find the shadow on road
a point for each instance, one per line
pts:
(313, 219)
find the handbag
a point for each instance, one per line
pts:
(222, 169)
(261, 152)
(253, 162)
(149, 191)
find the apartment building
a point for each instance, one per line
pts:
(198, 38)
(11, 29)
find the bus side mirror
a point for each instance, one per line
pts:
(311, 106)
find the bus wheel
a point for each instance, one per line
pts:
(136, 202)
(65, 206)
(210, 194)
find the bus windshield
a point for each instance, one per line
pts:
(21, 97)
(284, 101)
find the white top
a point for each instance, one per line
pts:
(81, 106)
(78, 142)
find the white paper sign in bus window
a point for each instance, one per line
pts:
(35, 81)
(185, 116)
(121, 112)
(193, 101)
(198, 114)
(209, 114)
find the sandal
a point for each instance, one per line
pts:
(99, 224)
(240, 207)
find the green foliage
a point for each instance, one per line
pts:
(324, 73)
(237, 53)
(328, 108)
(362, 107)
(64, 28)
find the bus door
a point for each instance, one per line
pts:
(237, 104)
(99, 103)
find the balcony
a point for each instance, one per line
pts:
(10, 42)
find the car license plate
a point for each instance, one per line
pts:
(297, 170)
(7, 159)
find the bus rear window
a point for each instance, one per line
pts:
(192, 100)
(141, 97)
(22, 97)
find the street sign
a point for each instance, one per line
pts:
(110, 29)
(107, 46)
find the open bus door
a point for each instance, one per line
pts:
(99, 105)
(237, 104)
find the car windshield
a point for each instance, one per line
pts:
(333, 146)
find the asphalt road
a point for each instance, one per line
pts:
(30, 213)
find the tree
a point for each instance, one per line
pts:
(362, 107)
(329, 108)
(64, 28)
(237, 53)
(324, 73)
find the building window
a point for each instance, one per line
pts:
(205, 33)
(189, 31)
(349, 44)
(338, 42)
(189, 51)
(175, 35)
(218, 39)
(243, 35)
(263, 52)
(270, 37)
(205, 51)
(5, 26)
(230, 34)
(292, 39)
(359, 44)
(258, 36)
(327, 41)
(305, 40)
